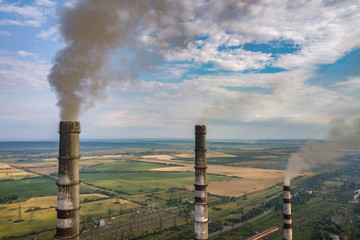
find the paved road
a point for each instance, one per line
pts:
(227, 228)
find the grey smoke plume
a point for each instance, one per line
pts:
(115, 40)
(342, 139)
(92, 30)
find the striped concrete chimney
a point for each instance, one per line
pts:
(68, 207)
(201, 207)
(287, 222)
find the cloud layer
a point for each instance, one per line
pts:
(19, 14)
(226, 63)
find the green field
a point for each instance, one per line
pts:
(147, 181)
(251, 159)
(27, 188)
(123, 166)
(144, 189)
(133, 177)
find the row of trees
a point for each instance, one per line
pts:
(8, 199)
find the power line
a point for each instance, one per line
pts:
(32, 217)
(19, 213)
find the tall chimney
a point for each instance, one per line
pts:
(68, 207)
(201, 207)
(287, 222)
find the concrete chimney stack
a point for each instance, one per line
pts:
(68, 217)
(287, 221)
(201, 206)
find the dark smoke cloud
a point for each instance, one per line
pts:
(342, 139)
(92, 30)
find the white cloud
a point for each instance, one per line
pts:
(70, 3)
(18, 23)
(282, 96)
(25, 11)
(46, 34)
(351, 82)
(215, 33)
(27, 54)
(232, 59)
(47, 3)
(169, 71)
(17, 74)
(349, 89)
(323, 32)
(26, 15)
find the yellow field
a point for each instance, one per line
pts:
(46, 217)
(209, 154)
(42, 202)
(101, 157)
(87, 158)
(251, 179)
(49, 167)
(9, 172)
(50, 160)
(40, 168)
(160, 157)
(156, 160)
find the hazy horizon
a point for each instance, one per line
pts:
(163, 139)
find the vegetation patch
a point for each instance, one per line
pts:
(27, 188)
(122, 166)
(136, 182)
(20, 190)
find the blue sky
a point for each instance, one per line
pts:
(248, 69)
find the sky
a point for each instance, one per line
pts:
(262, 69)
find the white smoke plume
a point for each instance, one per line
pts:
(342, 139)
(92, 31)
